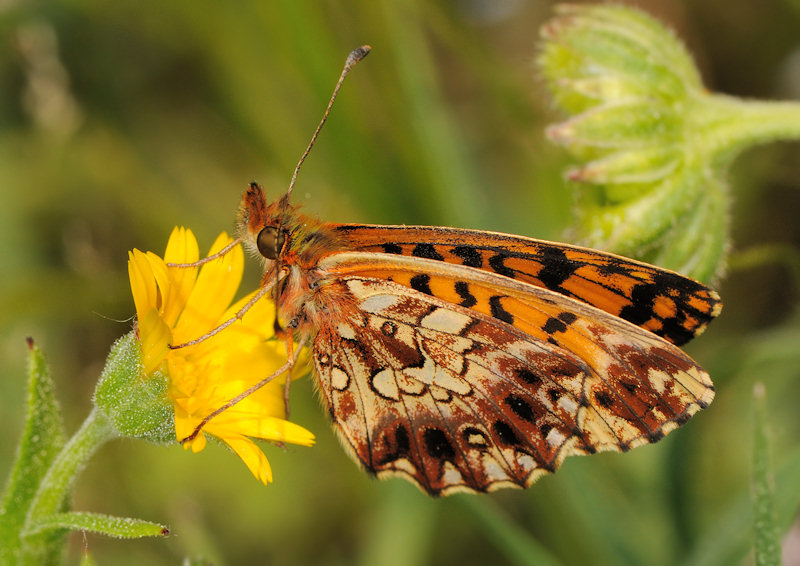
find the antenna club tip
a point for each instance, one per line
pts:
(358, 54)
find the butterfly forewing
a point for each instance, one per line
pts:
(475, 397)
(665, 303)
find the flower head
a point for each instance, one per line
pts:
(175, 305)
(650, 140)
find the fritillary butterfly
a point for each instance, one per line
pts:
(476, 360)
(470, 360)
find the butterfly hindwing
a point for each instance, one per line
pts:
(666, 303)
(459, 396)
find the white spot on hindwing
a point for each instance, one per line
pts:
(555, 437)
(444, 320)
(568, 404)
(339, 379)
(385, 385)
(373, 297)
(452, 475)
(346, 331)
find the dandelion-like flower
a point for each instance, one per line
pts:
(175, 305)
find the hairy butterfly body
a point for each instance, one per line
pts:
(469, 360)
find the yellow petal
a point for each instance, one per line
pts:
(181, 248)
(252, 456)
(196, 444)
(257, 425)
(155, 337)
(213, 292)
(143, 285)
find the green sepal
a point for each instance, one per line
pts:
(633, 53)
(631, 168)
(699, 247)
(626, 124)
(117, 527)
(42, 438)
(135, 404)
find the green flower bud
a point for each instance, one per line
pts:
(136, 405)
(653, 144)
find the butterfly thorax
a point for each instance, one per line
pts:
(291, 245)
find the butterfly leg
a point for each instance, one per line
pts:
(212, 257)
(287, 367)
(294, 356)
(238, 316)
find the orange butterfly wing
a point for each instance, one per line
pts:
(663, 302)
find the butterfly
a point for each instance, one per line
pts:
(473, 360)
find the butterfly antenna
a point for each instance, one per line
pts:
(355, 56)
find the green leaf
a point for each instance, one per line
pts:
(117, 527)
(767, 542)
(42, 438)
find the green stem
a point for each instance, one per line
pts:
(726, 124)
(58, 480)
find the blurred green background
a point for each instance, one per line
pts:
(119, 120)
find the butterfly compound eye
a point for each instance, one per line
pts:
(269, 242)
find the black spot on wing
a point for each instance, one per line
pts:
(469, 256)
(422, 283)
(614, 267)
(498, 311)
(399, 446)
(554, 325)
(567, 317)
(437, 445)
(392, 248)
(557, 268)
(640, 310)
(402, 439)
(603, 399)
(674, 330)
(529, 377)
(468, 300)
(496, 263)
(520, 407)
(506, 434)
(426, 251)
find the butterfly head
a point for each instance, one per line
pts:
(278, 232)
(264, 227)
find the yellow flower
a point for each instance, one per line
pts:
(175, 305)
